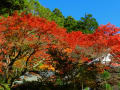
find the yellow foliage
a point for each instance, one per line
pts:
(20, 62)
(49, 67)
(68, 50)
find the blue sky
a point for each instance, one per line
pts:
(104, 11)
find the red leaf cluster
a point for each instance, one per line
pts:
(33, 36)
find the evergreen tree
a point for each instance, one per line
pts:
(70, 23)
(87, 24)
(58, 17)
(58, 13)
(8, 6)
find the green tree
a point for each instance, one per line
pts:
(8, 6)
(70, 23)
(87, 24)
(58, 17)
(58, 13)
(106, 75)
(37, 9)
(41, 11)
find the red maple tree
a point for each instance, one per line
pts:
(32, 40)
